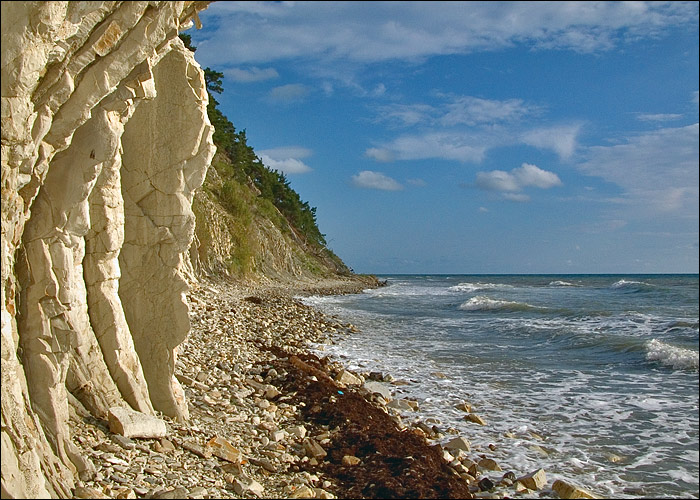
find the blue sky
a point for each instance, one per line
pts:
(475, 137)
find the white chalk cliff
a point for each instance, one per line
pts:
(105, 138)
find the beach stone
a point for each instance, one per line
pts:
(173, 493)
(350, 460)
(125, 493)
(199, 492)
(536, 480)
(196, 449)
(489, 464)
(243, 484)
(568, 490)
(166, 444)
(298, 431)
(458, 443)
(130, 423)
(122, 441)
(379, 388)
(86, 492)
(321, 493)
(510, 476)
(223, 449)
(485, 484)
(520, 487)
(271, 392)
(474, 418)
(464, 406)
(313, 449)
(347, 378)
(399, 404)
(303, 492)
(277, 435)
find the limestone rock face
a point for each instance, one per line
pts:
(105, 137)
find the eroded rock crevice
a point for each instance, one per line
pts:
(105, 137)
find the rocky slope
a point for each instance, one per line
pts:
(271, 250)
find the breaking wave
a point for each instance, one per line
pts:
(631, 286)
(475, 287)
(562, 283)
(677, 358)
(483, 303)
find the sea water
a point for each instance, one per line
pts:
(592, 377)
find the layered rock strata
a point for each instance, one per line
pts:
(105, 137)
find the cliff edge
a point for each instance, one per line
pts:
(105, 138)
(111, 209)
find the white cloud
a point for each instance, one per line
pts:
(252, 74)
(380, 154)
(463, 147)
(286, 159)
(289, 93)
(457, 110)
(380, 31)
(406, 114)
(465, 128)
(287, 152)
(288, 165)
(658, 170)
(368, 179)
(468, 110)
(520, 197)
(532, 175)
(470, 144)
(658, 117)
(483, 210)
(562, 139)
(511, 183)
(497, 180)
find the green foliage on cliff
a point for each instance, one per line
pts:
(272, 197)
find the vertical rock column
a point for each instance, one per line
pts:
(103, 243)
(167, 147)
(57, 337)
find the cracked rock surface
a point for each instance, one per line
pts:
(105, 137)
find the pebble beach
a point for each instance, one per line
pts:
(269, 419)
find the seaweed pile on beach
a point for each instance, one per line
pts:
(368, 455)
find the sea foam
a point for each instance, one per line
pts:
(677, 358)
(475, 287)
(561, 283)
(483, 303)
(632, 286)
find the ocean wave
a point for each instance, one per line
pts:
(475, 287)
(483, 303)
(402, 290)
(677, 358)
(683, 324)
(562, 283)
(632, 286)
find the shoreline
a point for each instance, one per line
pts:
(268, 418)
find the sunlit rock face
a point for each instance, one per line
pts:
(105, 137)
